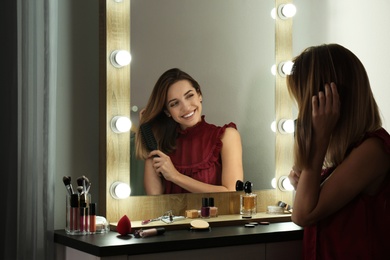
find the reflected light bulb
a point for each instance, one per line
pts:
(273, 183)
(273, 13)
(273, 126)
(273, 70)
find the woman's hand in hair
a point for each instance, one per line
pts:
(163, 165)
(294, 177)
(325, 111)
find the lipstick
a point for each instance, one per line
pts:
(152, 232)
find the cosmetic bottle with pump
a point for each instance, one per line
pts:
(248, 201)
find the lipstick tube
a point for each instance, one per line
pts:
(152, 232)
(72, 214)
(92, 218)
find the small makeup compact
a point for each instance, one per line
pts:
(199, 225)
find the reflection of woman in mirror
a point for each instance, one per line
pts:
(342, 158)
(192, 155)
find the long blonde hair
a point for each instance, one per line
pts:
(359, 113)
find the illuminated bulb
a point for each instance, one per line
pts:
(120, 58)
(286, 126)
(273, 13)
(273, 126)
(120, 190)
(285, 68)
(273, 70)
(120, 124)
(273, 183)
(286, 11)
(284, 184)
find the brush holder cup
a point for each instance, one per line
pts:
(77, 212)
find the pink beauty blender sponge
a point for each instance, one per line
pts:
(124, 226)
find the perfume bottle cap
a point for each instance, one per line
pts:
(248, 187)
(239, 185)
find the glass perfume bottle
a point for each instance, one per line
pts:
(248, 201)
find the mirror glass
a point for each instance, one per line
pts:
(228, 47)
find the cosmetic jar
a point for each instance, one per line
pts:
(275, 210)
(192, 213)
(102, 225)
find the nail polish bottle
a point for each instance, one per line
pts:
(248, 201)
(205, 210)
(213, 209)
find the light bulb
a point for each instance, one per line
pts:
(120, 190)
(286, 11)
(273, 126)
(286, 126)
(273, 13)
(120, 124)
(273, 70)
(120, 58)
(285, 68)
(284, 184)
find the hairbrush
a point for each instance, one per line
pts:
(148, 137)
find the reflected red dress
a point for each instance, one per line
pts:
(360, 230)
(198, 154)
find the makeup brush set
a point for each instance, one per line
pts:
(80, 212)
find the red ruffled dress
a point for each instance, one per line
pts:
(360, 230)
(198, 154)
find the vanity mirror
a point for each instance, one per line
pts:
(228, 46)
(237, 83)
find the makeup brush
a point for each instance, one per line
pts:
(68, 184)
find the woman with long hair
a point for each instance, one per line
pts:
(192, 155)
(341, 169)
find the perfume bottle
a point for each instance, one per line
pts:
(248, 201)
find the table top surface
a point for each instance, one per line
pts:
(112, 243)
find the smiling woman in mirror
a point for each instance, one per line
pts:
(192, 155)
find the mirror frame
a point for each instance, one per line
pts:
(114, 149)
